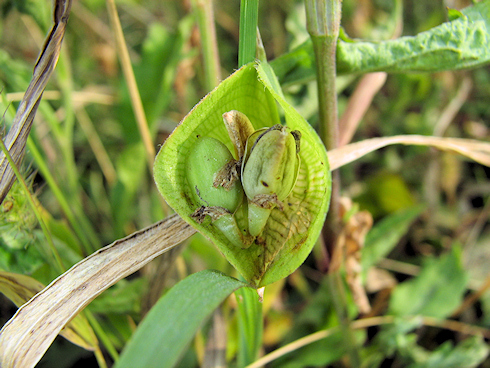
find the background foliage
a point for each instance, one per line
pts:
(423, 261)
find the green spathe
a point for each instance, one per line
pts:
(290, 233)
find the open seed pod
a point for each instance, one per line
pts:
(292, 227)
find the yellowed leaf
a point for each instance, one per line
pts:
(20, 288)
(473, 149)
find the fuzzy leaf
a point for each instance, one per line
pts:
(453, 45)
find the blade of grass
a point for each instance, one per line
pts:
(249, 325)
(168, 328)
(101, 334)
(98, 148)
(473, 149)
(249, 16)
(80, 225)
(128, 72)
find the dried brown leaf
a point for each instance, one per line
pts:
(473, 149)
(16, 139)
(20, 288)
(26, 337)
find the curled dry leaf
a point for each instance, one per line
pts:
(20, 288)
(348, 248)
(26, 337)
(473, 149)
(16, 139)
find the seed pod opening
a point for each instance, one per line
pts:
(269, 173)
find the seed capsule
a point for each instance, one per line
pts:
(218, 197)
(269, 172)
(205, 160)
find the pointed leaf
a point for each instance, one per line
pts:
(169, 327)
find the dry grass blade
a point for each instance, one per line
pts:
(26, 337)
(475, 150)
(20, 288)
(15, 141)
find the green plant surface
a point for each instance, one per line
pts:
(250, 321)
(146, 348)
(253, 94)
(423, 265)
(435, 292)
(456, 44)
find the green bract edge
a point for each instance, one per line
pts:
(242, 91)
(291, 257)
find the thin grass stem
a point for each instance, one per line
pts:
(98, 148)
(249, 16)
(102, 335)
(134, 93)
(80, 225)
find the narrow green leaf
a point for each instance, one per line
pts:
(249, 325)
(249, 15)
(457, 44)
(168, 328)
(435, 292)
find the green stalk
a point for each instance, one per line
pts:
(99, 331)
(249, 16)
(66, 85)
(209, 44)
(323, 23)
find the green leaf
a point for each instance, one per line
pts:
(452, 45)
(166, 331)
(386, 234)
(290, 233)
(435, 292)
(249, 325)
(469, 353)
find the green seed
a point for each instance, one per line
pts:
(207, 169)
(269, 172)
(206, 159)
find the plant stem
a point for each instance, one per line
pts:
(209, 44)
(323, 23)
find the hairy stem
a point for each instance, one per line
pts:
(323, 23)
